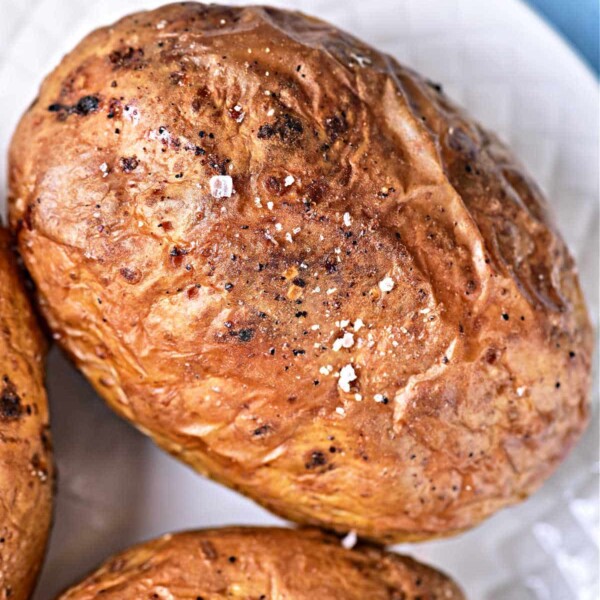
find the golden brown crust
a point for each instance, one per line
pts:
(261, 563)
(26, 471)
(230, 328)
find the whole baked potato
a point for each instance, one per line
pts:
(301, 269)
(26, 471)
(261, 563)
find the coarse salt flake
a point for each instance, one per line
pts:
(221, 186)
(358, 324)
(346, 341)
(289, 180)
(386, 284)
(350, 540)
(347, 375)
(340, 411)
(347, 219)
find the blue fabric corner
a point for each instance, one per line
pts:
(578, 21)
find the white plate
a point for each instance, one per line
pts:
(518, 77)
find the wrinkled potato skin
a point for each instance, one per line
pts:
(26, 472)
(197, 319)
(269, 563)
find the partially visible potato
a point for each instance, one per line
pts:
(26, 471)
(261, 563)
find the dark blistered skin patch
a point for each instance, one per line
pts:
(83, 107)
(10, 401)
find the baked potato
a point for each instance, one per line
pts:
(301, 269)
(261, 563)
(26, 471)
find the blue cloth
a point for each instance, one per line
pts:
(579, 23)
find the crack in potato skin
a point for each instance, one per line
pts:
(26, 469)
(357, 193)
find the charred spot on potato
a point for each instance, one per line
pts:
(261, 431)
(129, 164)
(273, 185)
(316, 459)
(11, 408)
(83, 107)
(127, 57)
(336, 126)
(218, 164)
(86, 105)
(245, 335)
(131, 275)
(286, 128)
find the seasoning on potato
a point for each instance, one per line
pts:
(265, 563)
(26, 471)
(302, 270)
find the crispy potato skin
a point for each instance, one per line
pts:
(360, 192)
(26, 471)
(261, 563)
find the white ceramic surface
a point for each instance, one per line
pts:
(518, 77)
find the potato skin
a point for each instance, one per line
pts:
(26, 470)
(360, 192)
(265, 563)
